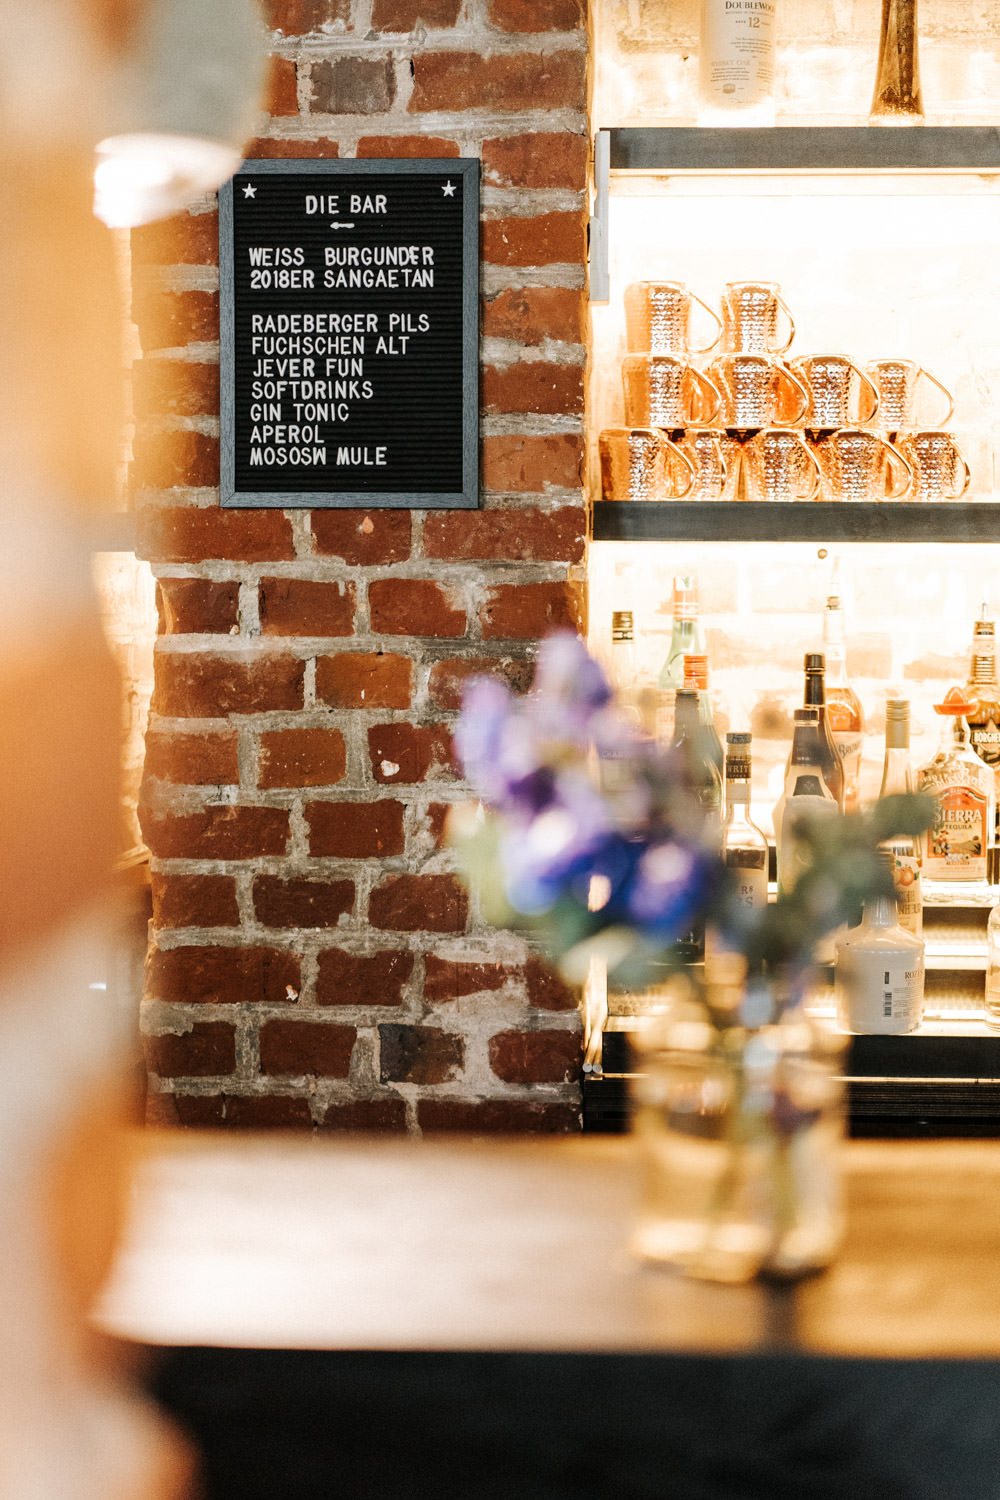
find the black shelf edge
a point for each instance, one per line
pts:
(807, 521)
(807, 148)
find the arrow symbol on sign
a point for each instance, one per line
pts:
(341, 226)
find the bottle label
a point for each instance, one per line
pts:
(879, 989)
(909, 896)
(956, 845)
(737, 51)
(984, 733)
(749, 880)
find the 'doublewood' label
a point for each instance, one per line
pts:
(349, 345)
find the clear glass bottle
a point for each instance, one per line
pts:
(736, 62)
(689, 742)
(844, 713)
(897, 777)
(983, 693)
(815, 697)
(956, 847)
(696, 676)
(805, 792)
(744, 846)
(879, 979)
(687, 634)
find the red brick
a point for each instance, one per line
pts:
(198, 1111)
(536, 1056)
(282, 87)
(507, 535)
(421, 752)
(371, 1115)
(300, 17)
(197, 606)
(194, 534)
(190, 239)
(301, 757)
(193, 759)
(526, 611)
(174, 387)
(437, 819)
(310, 1048)
(539, 159)
(302, 606)
(545, 239)
(301, 903)
(353, 86)
(169, 320)
(419, 1054)
(533, 385)
(534, 313)
(403, 15)
(419, 903)
(497, 1117)
(501, 82)
(445, 980)
(266, 149)
(355, 830)
(537, 15)
(266, 1112)
(362, 979)
(406, 145)
(201, 686)
(448, 678)
(194, 901)
(207, 1050)
(530, 465)
(175, 460)
(546, 991)
(356, 679)
(362, 537)
(222, 832)
(413, 606)
(223, 976)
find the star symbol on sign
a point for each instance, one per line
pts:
(449, 190)
(249, 191)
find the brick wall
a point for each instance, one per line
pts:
(314, 961)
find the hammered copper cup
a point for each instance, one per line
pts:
(757, 392)
(751, 315)
(658, 319)
(940, 471)
(898, 384)
(640, 463)
(715, 458)
(664, 391)
(840, 395)
(856, 465)
(780, 466)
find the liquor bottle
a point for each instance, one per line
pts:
(621, 665)
(983, 692)
(993, 968)
(696, 676)
(744, 846)
(956, 847)
(898, 777)
(805, 792)
(843, 706)
(687, 634)
(879, 979)
(815, 697)
(689, 743)
(736, 62)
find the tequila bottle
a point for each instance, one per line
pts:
(879, 980)
(955, 848)
(898, 777)
(843, 706)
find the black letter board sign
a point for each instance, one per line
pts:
(350, 323)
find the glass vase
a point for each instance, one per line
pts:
(738, 1127)
(897, 99)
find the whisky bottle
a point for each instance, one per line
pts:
(687, 634)
(983, 692)
(805, 792)
(879, 978)
(696, 676)
(843, 706)
(815, 697)
(744, 846)
(898, 777)
(955, 848)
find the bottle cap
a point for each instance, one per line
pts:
(815, 661)
(621, 625)
(897, 710)
(695, 668)
(738, 737)
(956, 702)
(806, 716)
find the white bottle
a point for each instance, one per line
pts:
(993, 968)
(879, 981)
(736, 62)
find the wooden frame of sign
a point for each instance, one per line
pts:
(350, 334)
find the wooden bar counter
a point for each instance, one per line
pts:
(471, 1307)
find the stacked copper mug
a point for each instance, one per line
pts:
(733, 419)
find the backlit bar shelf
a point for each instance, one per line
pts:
(808, 148)
(805, 521)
